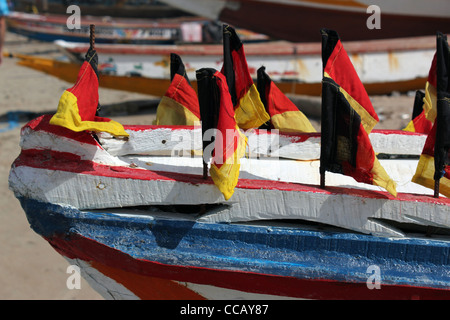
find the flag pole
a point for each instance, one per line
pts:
(205, 170)
(92, 36)
(436, 188)
(322, 180)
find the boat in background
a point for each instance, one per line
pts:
(383, 65)
(149, 9)
(120, 30)
(299, 20)
(133, 82)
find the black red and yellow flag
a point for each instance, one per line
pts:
(284, 114)
(345, 143)
(77, 109)
(230, 142)
(338, 67)
(430, 99)
(434, 163)
(423, 121)
(250, 111)
(179, 105)
(419, 122)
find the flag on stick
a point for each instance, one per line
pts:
(250, 112)
(425, 104)
(230, 143)
(345, 143)
(77, 109)
(284, 114)
(179, 105)
(430, 99)
(339, 68)
(419, 122)
(433, 170)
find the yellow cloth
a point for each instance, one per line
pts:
(68, 116)
(171, 112)
(425, 175)
(251, 112)
(226, 177)
(292, 121)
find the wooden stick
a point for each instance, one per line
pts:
(322, 180)
(92, 36)
(436, 188)
(205, 170)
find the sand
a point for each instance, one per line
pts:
(29, 268)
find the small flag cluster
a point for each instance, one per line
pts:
(230, 102)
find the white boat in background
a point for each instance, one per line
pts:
(299, 20)
(383, 65)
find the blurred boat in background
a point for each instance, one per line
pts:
(300, 20)
(383, 65)
(149, 9)
(116, 30)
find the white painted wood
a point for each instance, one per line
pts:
(372, 67)
(293, 201)
(347, 211)
(260, 143)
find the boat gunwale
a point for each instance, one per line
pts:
(267, 48)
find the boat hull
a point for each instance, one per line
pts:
(56, 27)
(185, 259)
(133, 82)
(300, 21)
(378, 62)
(145, 226)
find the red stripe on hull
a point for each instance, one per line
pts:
(75, 246)
(145, 287)
(68, 162)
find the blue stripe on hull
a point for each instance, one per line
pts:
(47, 37)
(282, 251)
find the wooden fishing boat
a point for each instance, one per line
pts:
(401, 64)
(147, 9)
(135, 209)
(52, 27)
(299, 20)
(122, 210)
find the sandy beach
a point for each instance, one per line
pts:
(29, 268)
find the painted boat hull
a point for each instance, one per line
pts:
(300, 21)
(55, 162)
(145, 9)
(158, 86)
(151, 257)
(377, 62)
(50, 28)
(140, 230)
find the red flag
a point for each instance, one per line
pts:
(337, 66)
(78, 105)
(179, 105)
(250, 112)
(419, 122)
(347, 119)
(284, 114)
(434, 163)
(230, 143)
